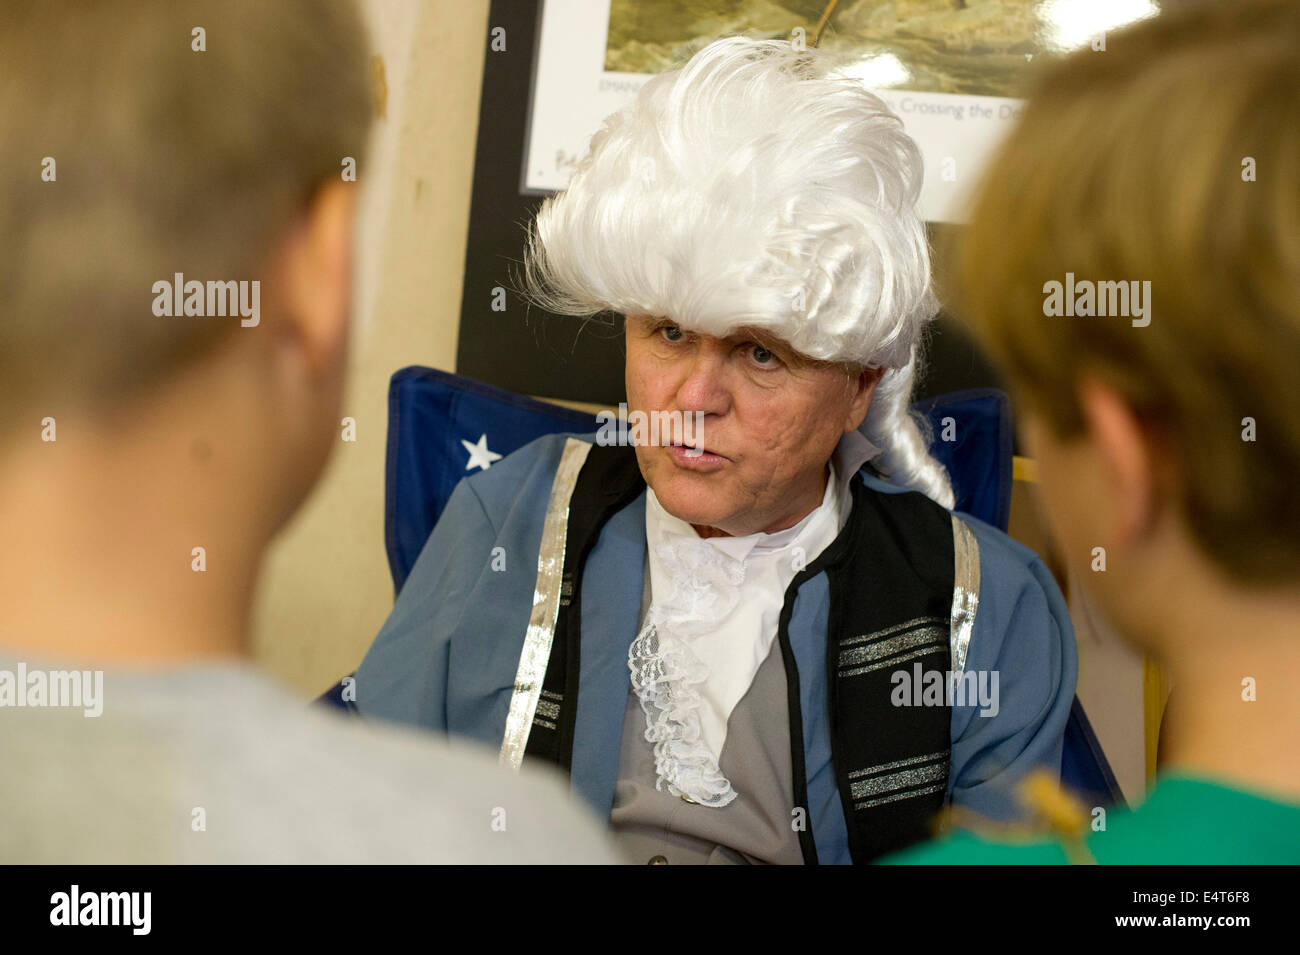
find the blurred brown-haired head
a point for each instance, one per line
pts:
(139, 139)
(1169, 158)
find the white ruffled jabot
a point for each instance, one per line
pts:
(703, 589)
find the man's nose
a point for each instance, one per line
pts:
(704, 388)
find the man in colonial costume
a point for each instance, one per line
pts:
(720, 633)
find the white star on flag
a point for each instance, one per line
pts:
(479, 453)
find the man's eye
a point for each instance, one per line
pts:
(672, 333)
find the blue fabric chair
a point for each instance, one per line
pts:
(442, 426)
(1085, 771)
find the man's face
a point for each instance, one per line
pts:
(770, 421)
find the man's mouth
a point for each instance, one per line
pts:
(693, 455)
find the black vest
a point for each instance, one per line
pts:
(891, 575)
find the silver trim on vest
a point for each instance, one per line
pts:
(901, 779)
(886, 651)
(965, 592)
(546, 605)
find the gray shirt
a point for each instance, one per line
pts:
(651, 825)
(216, 763)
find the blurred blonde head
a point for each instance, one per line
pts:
(168, 159)
(1169, 158)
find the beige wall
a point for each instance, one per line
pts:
(325, 588)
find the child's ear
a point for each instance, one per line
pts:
(317, 269)
(1120, 442)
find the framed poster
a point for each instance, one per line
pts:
(951, 69)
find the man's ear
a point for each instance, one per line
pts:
(864, 386)
(1126, 456)
(316, 267)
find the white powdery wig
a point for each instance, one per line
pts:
(757, 187)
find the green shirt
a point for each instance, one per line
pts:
(1184, 821)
